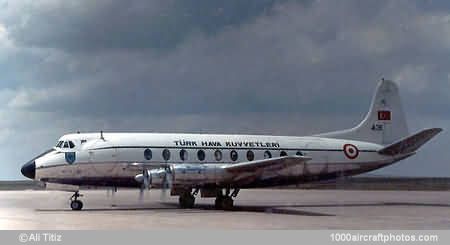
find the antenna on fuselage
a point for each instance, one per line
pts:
(101, 135)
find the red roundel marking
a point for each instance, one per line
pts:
(351, 151)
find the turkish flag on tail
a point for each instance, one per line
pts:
(384, 115)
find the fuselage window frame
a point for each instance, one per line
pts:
(201, 155)
(148, 154)
(267, 154)
(234, 155)
(184, 155)
(218, 155)
(166, 154)
(250, 155)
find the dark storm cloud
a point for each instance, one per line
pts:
(286, 56)
(93, 26)
(273, 67)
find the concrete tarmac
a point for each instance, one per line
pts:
(255, 209)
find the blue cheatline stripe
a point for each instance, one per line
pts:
(219, 148)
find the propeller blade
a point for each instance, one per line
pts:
(166, 185)
(141, 194)
(146, 183)
(146, 175)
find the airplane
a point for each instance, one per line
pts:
(218, 165)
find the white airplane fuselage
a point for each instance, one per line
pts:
(105, 162)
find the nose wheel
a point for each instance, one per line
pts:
(76, 204)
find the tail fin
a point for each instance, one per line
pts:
(384, 124)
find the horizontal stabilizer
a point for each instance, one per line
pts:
(411, 143)
(273, 163)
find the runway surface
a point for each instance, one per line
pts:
(255, 209)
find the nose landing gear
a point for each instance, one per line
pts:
(76, 204)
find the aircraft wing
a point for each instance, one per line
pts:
(272, 164)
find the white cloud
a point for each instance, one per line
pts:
(413, 78)
(5, 42)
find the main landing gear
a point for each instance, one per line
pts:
(76, 204)
(225, 202)
(187, 199)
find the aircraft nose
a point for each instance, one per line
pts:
(29, 170)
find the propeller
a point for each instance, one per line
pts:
(146, 183)
(162, 177)
(166, 183)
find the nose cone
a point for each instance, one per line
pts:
(29, 170)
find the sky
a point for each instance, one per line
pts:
(256, 67)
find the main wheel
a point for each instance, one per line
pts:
(224, 203)
(227, 203)
(186, 201)
(76, 205)
(218, 202)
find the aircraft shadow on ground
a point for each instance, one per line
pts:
(199, 208)
(277, 209)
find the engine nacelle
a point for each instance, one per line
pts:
(183, 175)
(196, 174)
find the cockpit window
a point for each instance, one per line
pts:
(65, 144)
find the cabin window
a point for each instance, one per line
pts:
(299, 153)
(201, 155)
(218, 155)
(148, 154)
(71, 145)
(183, 155)
(250, 155)
(233, 155)
(166, 154)
(267, 154)
(283, 154)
